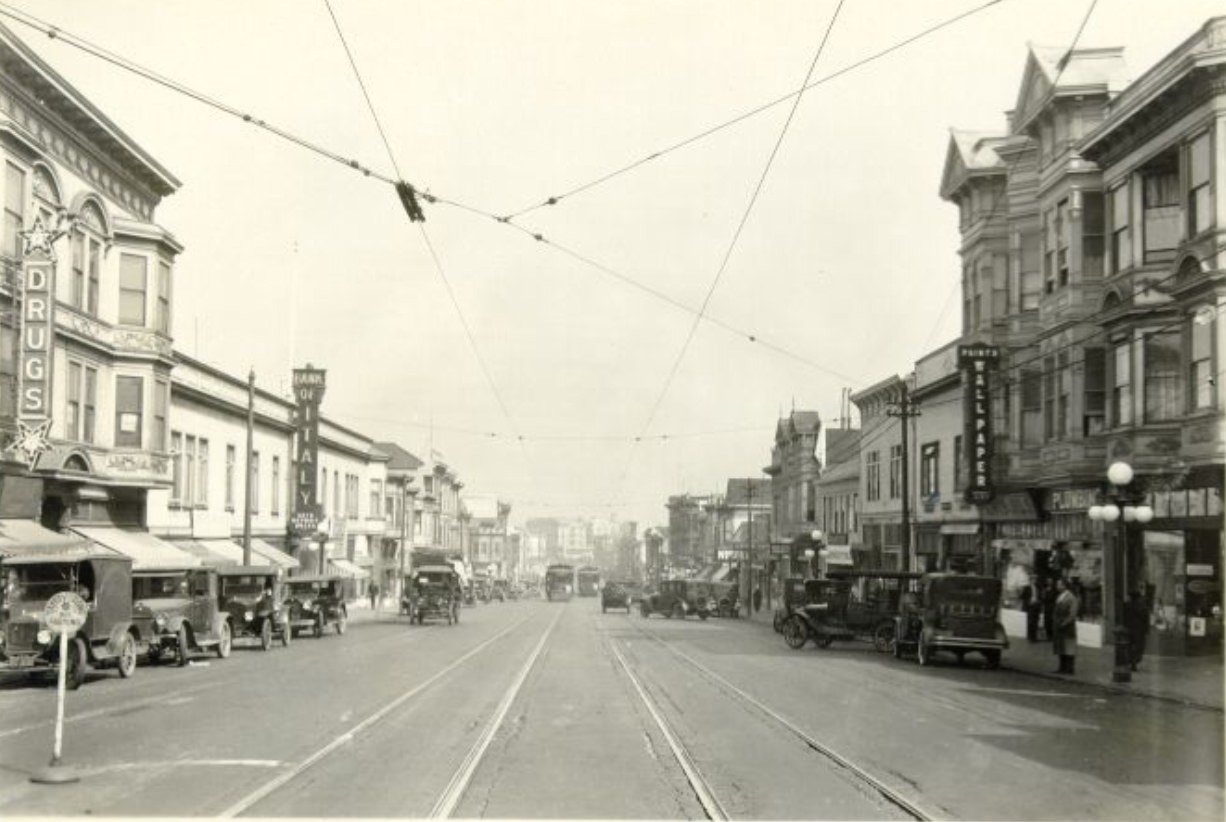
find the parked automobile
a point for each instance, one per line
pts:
(106, 640)
(954, 613)
(848, 605)
(434, 593)
(727, 599)
(313, 602)
(250, 595)
(678, 598)
(614, 594)
(176, 612)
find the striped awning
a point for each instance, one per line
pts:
(345, 568)
(273, 556)
(25, 536)
(147, 551)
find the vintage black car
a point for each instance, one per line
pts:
(176, 612)
(679, 598)
(313, 602)
(106, 640)
(847, 605)
(727, 599)
(955, 613)
(249, 594)
(614, 594)
(434, 593)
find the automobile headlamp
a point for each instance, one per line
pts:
(308, 605)
(160, 621)
(249, 615)
(44, 637)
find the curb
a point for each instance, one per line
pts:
(1116, 689)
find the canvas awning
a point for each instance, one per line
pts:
(271, 555)
(212, 552)
(837, 555)
(347, 569)
(25, 536)
(959, 528)
(147, 551)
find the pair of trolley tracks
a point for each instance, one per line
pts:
(703, 791)
(454, 792)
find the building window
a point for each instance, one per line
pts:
(129, 410)
(86, 265)
(161, 407)
(376, 499)
(176, 467)
(959, 465)
(930, 478)
(14, 210)
(1121, 235)
(1031, 275)
(1121, 393)
(1163, 376)
(1032, 407)
(1095, 391)
(1160, 205)
(1200, 206)
(202, 473)
(323, 490)
(1200, 368)
(810, 502)
(1050, 229)
(276, 485)
(189, 470)
(72, 415)
(872, 490)
(1064, 387)
(895, 471)
(1062, 243)
(336, 494)
(255, 482)
(231, 460)
(1049, 398)
(133, 282)
(162, 317)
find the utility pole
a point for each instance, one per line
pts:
(250, 453)
(905, 409)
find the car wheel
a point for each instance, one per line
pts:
(223, 645)
(266, 634)
(897, 647)
(703, 615)
(74, 676)
(340, 624)
(181, 644)
(777, 623)
(287, 634)
(126, 661)
(678, 611)
(795, 632)
(319, 627)
(883, 637)
(992, 658)
(923, 652)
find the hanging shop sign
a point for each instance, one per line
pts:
(37, 328)
(977, 363)
(309, 384)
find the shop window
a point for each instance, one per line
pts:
(129, 411)
(1121, 234)
(1163, 376)
(1200, 369)
(1200, 206)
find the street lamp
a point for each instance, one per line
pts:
(1122, 506)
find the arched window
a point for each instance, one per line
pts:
(87, 250)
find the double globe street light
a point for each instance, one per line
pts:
(1124, 504)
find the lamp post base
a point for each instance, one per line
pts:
(55, 773)
(1122, 672)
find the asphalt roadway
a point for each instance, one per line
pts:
(545, 710)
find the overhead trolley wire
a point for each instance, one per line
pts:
(555, 199)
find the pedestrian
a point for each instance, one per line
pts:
(1136, 623)
(374, 595)
(1064, 615)
(1048, 604)
(1032, 604)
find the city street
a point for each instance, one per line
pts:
(532, 709)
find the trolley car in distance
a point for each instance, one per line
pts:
(588, 580)
(559, 582)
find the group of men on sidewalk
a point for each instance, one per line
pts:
(1057, 610)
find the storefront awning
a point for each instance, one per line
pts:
(959, 528)
(147, 551)
(273, 556)
(345, 568)
(25, 536)
(837, 555)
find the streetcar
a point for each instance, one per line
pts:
(559, 582)
(588, 580)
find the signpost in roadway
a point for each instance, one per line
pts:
(64, 614)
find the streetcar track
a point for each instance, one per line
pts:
(270, 787)
(859, 773)
(454, 792)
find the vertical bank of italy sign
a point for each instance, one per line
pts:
(977, 363)
(309, 392)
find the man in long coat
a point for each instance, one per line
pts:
(1064, 642)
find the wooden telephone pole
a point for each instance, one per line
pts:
(905, 409)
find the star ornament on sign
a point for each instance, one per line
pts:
(40, 238)
(31, 440)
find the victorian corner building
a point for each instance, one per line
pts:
(1093, 233)
(110, 434)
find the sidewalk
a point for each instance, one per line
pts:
(1195, 680)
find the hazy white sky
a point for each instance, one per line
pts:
(847, 266)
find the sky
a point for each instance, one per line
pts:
(674, 309)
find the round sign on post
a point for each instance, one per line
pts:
(64, 614)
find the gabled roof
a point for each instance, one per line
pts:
(970, 154)
(740, 491)
(842, 444)
(398, 458)
(1052, 72)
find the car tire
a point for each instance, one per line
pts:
(318, 628)
(992, 659)
(342, 620)
(777, 622)
(78, 660)
(678, 611)
(923, 652)
(703, 615)
(125, 661)
(266, 634)
(645, 610)
(181, 646)
(225, 642)
(287, 633)
(897, 647)
(795, 632)
(883, 637)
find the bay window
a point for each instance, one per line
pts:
(1163, 376)
(129, 411)
(1200, 368)
(1200, 206)
(133, 282)
(1160, 209)
(1121, 233)
(1121, 393)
